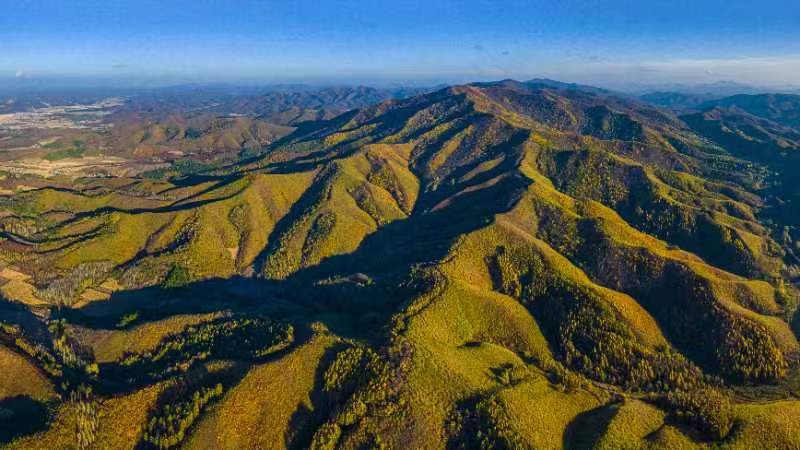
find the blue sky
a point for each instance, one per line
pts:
(607, 42)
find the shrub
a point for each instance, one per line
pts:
(326, 437)
(707, 409)
(65, 290)
(87, 419)
(168, 425)
(483, 424)
(587, 335)
(359, 382)
(177, 277)
(243, 338)
(748, 352)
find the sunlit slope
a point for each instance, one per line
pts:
(215, 232)
(463, 333)
(350, 198)
(323, 190)
(22, 378)
(499, 265)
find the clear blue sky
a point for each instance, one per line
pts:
(412, 40)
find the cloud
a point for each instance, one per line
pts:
(645, 67)
(19, 74)
(768, 70)
(765, 71)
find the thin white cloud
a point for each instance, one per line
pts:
(766, 71)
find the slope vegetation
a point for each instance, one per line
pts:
(498, 265)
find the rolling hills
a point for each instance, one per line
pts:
(493, 265)
(162, 132)
(780, 108)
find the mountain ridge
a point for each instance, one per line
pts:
(459, 263)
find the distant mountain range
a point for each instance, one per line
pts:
(781, 108)
(281, 105)
(719, 88)
(686, 97)
(203, 121)
(215, 98)
(678, 101)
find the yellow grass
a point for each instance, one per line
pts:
(632, 423)
(257, 412)
(10, 273)
(109, 345)
(121, 421)
(20, 377)
(22, 292)
(540, 414)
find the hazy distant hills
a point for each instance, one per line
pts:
(280, 105)
(761, 128)
(218, 120)
(205, 122)
(677, 100)
(491, 265)
(751, 131)
(781, 108)
(701, 96)
(717, 89)
(22, 102)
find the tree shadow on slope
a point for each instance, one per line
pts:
(300, 146)
(425, 237)
(587, 428)
(240, 341)
(304, 420)
(354, 294)
(21, 315)
(188, 390)
(21, 416)
(385, 258)
(157, 302)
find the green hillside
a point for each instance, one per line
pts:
(496, 265)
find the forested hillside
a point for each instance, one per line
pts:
(493, 265)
